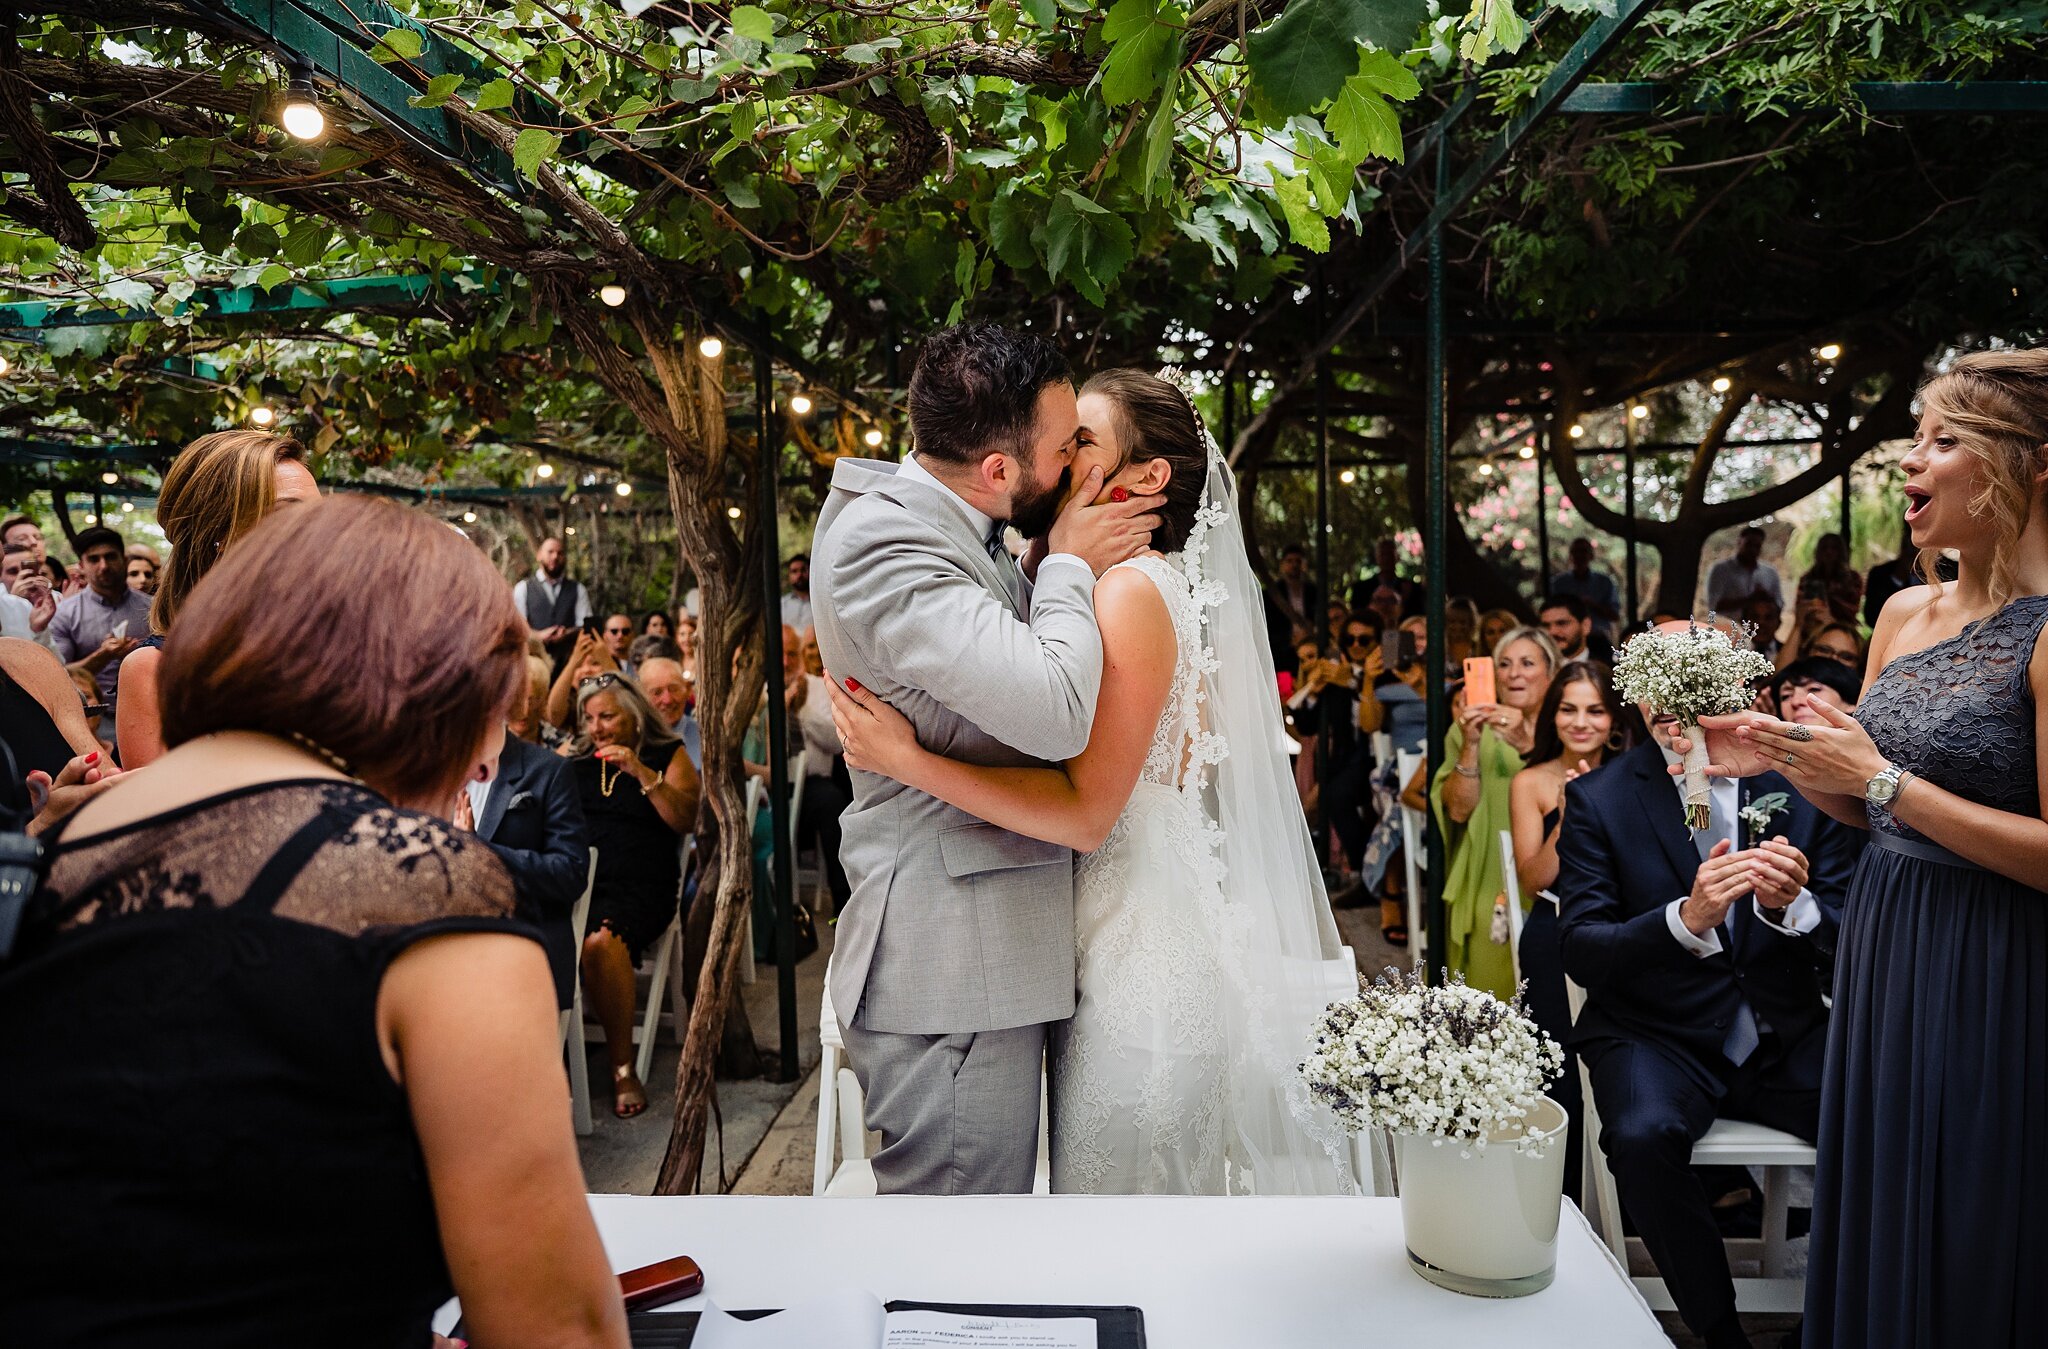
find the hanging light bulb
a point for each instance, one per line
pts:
(302, 116)
(1831, 351)
(624, 489)
(110, 478)
(1577, 431)
(873, 437)
(732, 512)
(800, 404)
(569, 532)
(711, 348)
(262, 414)
(613, 294)
(1486, 470)
(127, 506)
(1639, 412)
(469, 517)
(544, 471)
(5, 365)
(91, 519)
(1347, 477)
(1528, 451)
(1722, 384)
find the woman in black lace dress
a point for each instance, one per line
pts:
(280, 1065)
(1933, 1179)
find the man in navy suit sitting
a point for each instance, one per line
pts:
(1703, 958)
(531, 816)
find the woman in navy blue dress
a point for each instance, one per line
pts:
(1933, 1178)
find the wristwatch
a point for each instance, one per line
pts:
(1883, 788)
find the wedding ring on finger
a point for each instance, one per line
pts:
(1788, 758)
(1799, 733)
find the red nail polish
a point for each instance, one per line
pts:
(853, 684)
(1119, 494)
(93, 757)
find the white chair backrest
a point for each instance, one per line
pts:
(1511, 885)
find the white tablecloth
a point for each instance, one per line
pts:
(1221, 1273)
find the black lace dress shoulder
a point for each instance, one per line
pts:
(195, 1095)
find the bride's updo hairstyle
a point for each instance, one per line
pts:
(1154, 420)
(1995, 403)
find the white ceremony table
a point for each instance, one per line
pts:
(1209, 1273)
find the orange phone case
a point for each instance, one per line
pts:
(1479, 688)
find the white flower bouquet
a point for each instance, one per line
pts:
(1449, 1061)
(1699, 672)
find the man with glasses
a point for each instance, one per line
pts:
(618, 640)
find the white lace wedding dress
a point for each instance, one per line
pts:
(1139, 1085)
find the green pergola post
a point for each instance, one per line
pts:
(1437, 528)
(782, 877)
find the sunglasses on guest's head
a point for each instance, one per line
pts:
(603, 681)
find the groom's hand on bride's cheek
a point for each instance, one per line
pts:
(1104, 535)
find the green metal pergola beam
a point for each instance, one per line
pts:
(1929, 96)
(358, 292)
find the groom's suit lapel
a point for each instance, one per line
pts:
(929, 503)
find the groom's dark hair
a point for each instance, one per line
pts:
(975, 391)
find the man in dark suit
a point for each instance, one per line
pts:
(531, 816)
(1703, 958)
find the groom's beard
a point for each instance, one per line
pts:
(1032, 514)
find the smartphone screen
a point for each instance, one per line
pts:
(1479, 681)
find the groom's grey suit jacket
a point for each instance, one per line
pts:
(954, 925)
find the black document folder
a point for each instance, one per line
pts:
(1116, 1327)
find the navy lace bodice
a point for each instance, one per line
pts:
(1960, 713)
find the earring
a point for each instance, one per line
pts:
(1616, 742)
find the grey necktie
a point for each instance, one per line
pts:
(1006, 566)
(1743, 1035)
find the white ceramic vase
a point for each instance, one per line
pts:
(1484, 1221)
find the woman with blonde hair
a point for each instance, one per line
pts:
(1931, 1177)
(1471, 798)
(640, 794)
(219, 488)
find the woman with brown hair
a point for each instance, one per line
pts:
(1931, 1177)
(276, 1049)
(219, 488)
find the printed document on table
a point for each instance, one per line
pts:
(950, 1330)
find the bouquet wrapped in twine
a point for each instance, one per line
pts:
(1699, 672)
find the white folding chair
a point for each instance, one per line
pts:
(1412, 859)
(1511, 883)
(799, 775)
(571, 1018)
(1726, 1142)
(666, 976)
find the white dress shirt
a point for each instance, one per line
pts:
(980, 522)
(479, 794)
(1802, 915)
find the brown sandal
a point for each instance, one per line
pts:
(1394, 922)
(629, 1098)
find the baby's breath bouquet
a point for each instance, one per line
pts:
(1699, 672)
(1447, 1061)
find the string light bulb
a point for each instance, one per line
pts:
(544, 471)
(613, 294)
(127, 506)
(262, 414)
(1832, 351)
(110, 478)
(711, 348)
(302, 117)
(873, 437)
(1639, 411)
(1528, 451)
(1486, 470)
(624, 489)
(91, 519)
(1577, 431)
(569, 531)
(1347, 477)
(800, 404)
(1722, 384)
(5, 365)
(732, 512)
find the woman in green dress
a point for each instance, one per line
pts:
(1482, 754)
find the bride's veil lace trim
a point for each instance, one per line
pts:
(1281, 957)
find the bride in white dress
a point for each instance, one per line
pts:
(1205, 942)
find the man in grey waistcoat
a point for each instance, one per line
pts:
(554, 606)
(957, 947)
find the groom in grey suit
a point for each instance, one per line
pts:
(957, 947)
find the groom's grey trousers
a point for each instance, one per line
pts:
(957, 946)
